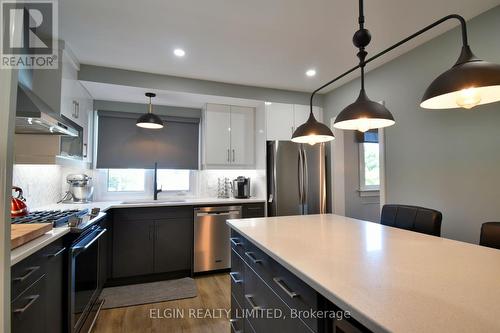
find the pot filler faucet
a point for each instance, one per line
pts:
(155, 183)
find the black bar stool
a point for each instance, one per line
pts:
(414, 218)
(490, 235)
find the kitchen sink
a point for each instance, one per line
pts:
(149, 201)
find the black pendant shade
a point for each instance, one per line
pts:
(468, 83)
(312, 132)
(150, 120)
(364, 114)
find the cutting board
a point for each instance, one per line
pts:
(23, 233)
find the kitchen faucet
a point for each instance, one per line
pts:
(155, 183)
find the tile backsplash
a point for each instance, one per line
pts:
(41, 184)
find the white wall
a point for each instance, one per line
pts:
(448, 159)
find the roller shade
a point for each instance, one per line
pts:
(370, 136)
(121, 144)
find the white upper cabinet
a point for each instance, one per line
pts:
(279, 121)
(283, 119)
(242, 136)
(228, 136)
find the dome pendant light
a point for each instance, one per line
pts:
(364, 114)
(150, 120)
(468, 83)
(312, 132)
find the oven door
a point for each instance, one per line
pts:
(84, 277)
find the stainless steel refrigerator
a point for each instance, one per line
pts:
(296, 178)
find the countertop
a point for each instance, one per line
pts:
(391, 280)
(29, 248)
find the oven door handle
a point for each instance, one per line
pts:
(86, 246)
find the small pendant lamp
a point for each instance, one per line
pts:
(150, 120)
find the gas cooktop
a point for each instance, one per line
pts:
(56, 217)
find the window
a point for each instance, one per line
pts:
(369, 166)
(174, 180)
(126, 180)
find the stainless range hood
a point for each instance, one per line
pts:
(34, 116)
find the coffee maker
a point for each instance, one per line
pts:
(241, 187)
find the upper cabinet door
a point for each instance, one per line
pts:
(279, 121)
(217, 126)
(242, 136)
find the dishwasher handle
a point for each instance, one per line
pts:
(227, 213)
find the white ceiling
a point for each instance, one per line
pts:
(268, 43)
(119, 93)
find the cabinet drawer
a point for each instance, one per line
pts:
(253, 210)
(28, 309)
(238, 243)
(152, 213)
(24, 273)
(260, 262)
(237, 322)
(259, 298)
(237, 276)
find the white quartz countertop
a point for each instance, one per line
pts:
(105, 205)
(29, 248)
(391, 280)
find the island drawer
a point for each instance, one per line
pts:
(237, 276)
(292, 290)
(238, 243)
(270, 313)
(237, 321)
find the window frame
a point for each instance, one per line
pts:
(366, 190)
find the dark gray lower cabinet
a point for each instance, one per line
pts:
(272, 299)
(132, 248)
(38, 291)
(29, 309)
(173, 245)
(148, 241)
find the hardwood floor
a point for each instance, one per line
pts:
(214, 292)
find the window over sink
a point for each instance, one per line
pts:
(138, 180)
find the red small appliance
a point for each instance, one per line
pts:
(18, 206)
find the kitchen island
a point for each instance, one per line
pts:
(388, 279)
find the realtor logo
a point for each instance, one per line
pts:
(29, 34)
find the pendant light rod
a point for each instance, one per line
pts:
(465, 43)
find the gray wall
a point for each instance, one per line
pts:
(173, 111)
(448, 159)
(356, 206)
(173, 83)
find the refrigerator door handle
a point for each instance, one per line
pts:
(305, 182)
(300, 175)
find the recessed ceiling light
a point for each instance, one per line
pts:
(311, 72)
(179, 52)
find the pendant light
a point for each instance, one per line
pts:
(312, 132)
(364, 114)
(150, 120)
(468, 83)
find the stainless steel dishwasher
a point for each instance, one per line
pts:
(212, 250)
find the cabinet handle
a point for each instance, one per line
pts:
(281, 284)
(31, 270)
(233, 277)
(250, 300)
(232, 321)
(77, 110)
(235, 241)
(233, 155)
(57, 253)
(32, 299)
(228, 155)
(85, 150)
(250, 255)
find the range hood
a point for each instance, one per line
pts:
(34, 116)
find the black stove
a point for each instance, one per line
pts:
(58, 218)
